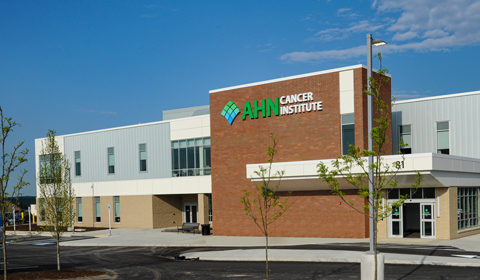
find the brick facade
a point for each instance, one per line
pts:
(303, 136)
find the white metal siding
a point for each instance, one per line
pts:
(125, 141)
(462, 111)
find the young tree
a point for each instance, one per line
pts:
(354, 169)
(266, 206)
(56, 196)
(10, 162)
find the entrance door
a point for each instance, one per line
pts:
(190, 210)
(427, 220)
(396, 224)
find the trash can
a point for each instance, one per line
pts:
(206, 229)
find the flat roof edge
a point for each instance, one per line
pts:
(290, 78)
(438, 97)
(127, 126)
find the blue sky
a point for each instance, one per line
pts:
(75, 66)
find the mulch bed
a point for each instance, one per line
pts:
(36, 228)
(54, 274)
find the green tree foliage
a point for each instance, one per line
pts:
(354, 168)
(11, 159)
(56, 195)
(265, 206)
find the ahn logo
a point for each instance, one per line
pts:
(230, 111)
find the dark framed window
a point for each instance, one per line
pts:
(98, 218)
(443, 138)
(50, 168)
(111, 160)
(191, 157)
(79, 210)
(467, 207)
(406, 139)
(348, 132)
(116, 208)
(78, 169)
(142, 148)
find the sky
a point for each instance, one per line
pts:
(75, 66)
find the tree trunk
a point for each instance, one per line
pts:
(266, 256)
(375, 218)
(4, 244)
(58, 251)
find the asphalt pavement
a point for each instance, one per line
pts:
(463, 252)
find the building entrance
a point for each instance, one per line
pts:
(190, 210)
(415, 219)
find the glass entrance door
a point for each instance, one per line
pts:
(427, 220)
(190, 210)
(396, 222)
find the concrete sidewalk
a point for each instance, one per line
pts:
(155, 237)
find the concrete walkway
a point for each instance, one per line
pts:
(155, 237)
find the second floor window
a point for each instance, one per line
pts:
(406, 139)
(143, 156)
(191, 157)
(111, 161)
(348, 132)
(443, 138)
(78, 170)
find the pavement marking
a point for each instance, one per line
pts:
(24, 267)
(43, 244)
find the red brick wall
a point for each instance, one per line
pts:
(304, 136)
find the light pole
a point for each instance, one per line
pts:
(370, 42)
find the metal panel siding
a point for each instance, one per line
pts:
(462, 112)
(125, 141)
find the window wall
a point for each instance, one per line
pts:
(467, 207)
(191, 157)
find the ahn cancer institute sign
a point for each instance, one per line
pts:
(279, 106)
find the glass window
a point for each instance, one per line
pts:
(111, 161)
(116, 202)
(49, 168)
(78, 170)
(79, 210)
(191, 157)
(42, 209)
(348, 132)
(210, 207)
(143, 157)
(97, 210)
(443, 138)
(406, 139)
(467, 207)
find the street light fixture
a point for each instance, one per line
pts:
(370, 42)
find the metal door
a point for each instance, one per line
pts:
(396, 222)
(427, 220)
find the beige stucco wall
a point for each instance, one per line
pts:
(167, 210)
(202, 208)
(143, 211)
(446, 224)
(383, 224)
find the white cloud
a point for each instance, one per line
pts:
(405, 36)
(338, 33)
(321, 55)
(421, 25)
